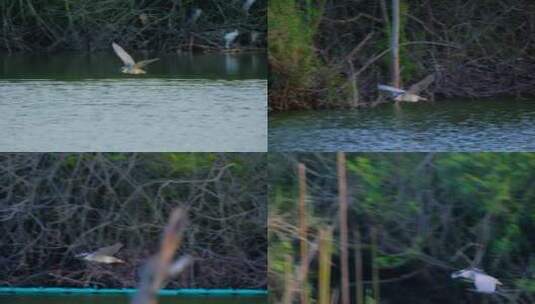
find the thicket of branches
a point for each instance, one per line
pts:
(431, 214)
(335, 52)
(54, 206)
(148, 25)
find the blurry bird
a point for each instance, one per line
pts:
(103, 255)
(482, 281)
(130, 66)
(411, 94)
(254, 37)
(247, 5)
(230, 37)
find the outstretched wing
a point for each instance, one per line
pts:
(110, 250)
(125, 57)
(422, 84)
(392, 90)
(485, 284)
(143, 63)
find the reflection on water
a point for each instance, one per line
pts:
(468, 125)
(69, 299)
(106, 65)
(83, 103)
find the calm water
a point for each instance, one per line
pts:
(81, 102)
(468, 125)
(70, 299)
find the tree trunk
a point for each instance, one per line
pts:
(303, 232)
(359, 287)
(342, 195)
(324, 279)
(396, 78)
(288, 280)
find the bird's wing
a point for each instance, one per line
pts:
(231, 35)
(485, 283)
(422, 84)
(125, 57)
(143, 63)
(392, 90)
(110, 250)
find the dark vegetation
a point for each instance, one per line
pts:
(54, 206)
(55, 25)
(333, 53)
(412, 220)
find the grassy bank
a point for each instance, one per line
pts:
(29, 25)
(336, 52)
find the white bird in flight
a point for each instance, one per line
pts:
(103, 255)
(130, 66)
(399, 94)
(409, 95)
(230, 37)
(483, 282)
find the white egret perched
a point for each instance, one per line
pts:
(409, 95)
(247, 5)
(130, 66)
(103, 255)
(230, 37)
(483, 282)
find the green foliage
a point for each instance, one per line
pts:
(527, 285)
(391, 261)
(277, 253)
(296, 68)
(188, 163)
(291, 39)
(426, 208)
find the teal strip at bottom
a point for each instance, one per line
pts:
(111, 291)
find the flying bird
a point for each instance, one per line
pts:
(230, 37)
(103, 255)
(410, 95)
(483, 282)
(130, 66)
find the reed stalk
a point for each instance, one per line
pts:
(288, 280)
(375, 268)
(325, 255)
(342, 196)
(303, 228)
(359, 286)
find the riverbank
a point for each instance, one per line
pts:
(92, 25)
(336, 53)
